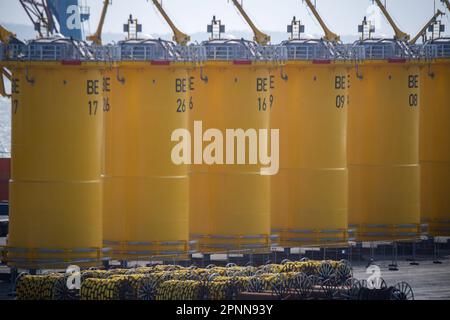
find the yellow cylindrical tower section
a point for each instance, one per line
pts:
(56, 188)
(230, 203)
(146, 194)
(434, 147)
(199, 185)
(309, 194)
(383, 141)
(279, 183)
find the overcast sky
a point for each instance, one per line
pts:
(191, 16)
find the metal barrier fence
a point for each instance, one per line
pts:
(310, 50)
(194, 53)
(63, 49)
(274, 53)
(382, 49)
(229, 50)
(435, 51)
(322, 50)
(48, 49)
(55, 49)
(151, 50)
(60, 49)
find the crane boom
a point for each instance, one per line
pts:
(39, 13)
(329, 36)
(96, 38)
(2, 85)
(424, 29)
(178, 36)
(399, 34)
(447, 3)
(259, 37)
(5, 35)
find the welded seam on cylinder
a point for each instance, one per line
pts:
(315, 231)
(145, 177)
(218, 236)
(386, 166)
(57, 181)
(288, 239)
(54, 250)
(149, 243)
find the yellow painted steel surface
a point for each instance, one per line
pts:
(435, 147)
(56, 188)
(279, 183)
(383, 141)
(230, 204)
(145, 193)
(309, 194)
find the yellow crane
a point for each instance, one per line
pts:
(424, 29)
(178, 36)
(5, 36)
(399, 34)
(96, 38)
(4, 72)
(329, 36)
(447, 3)
(259, 37)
